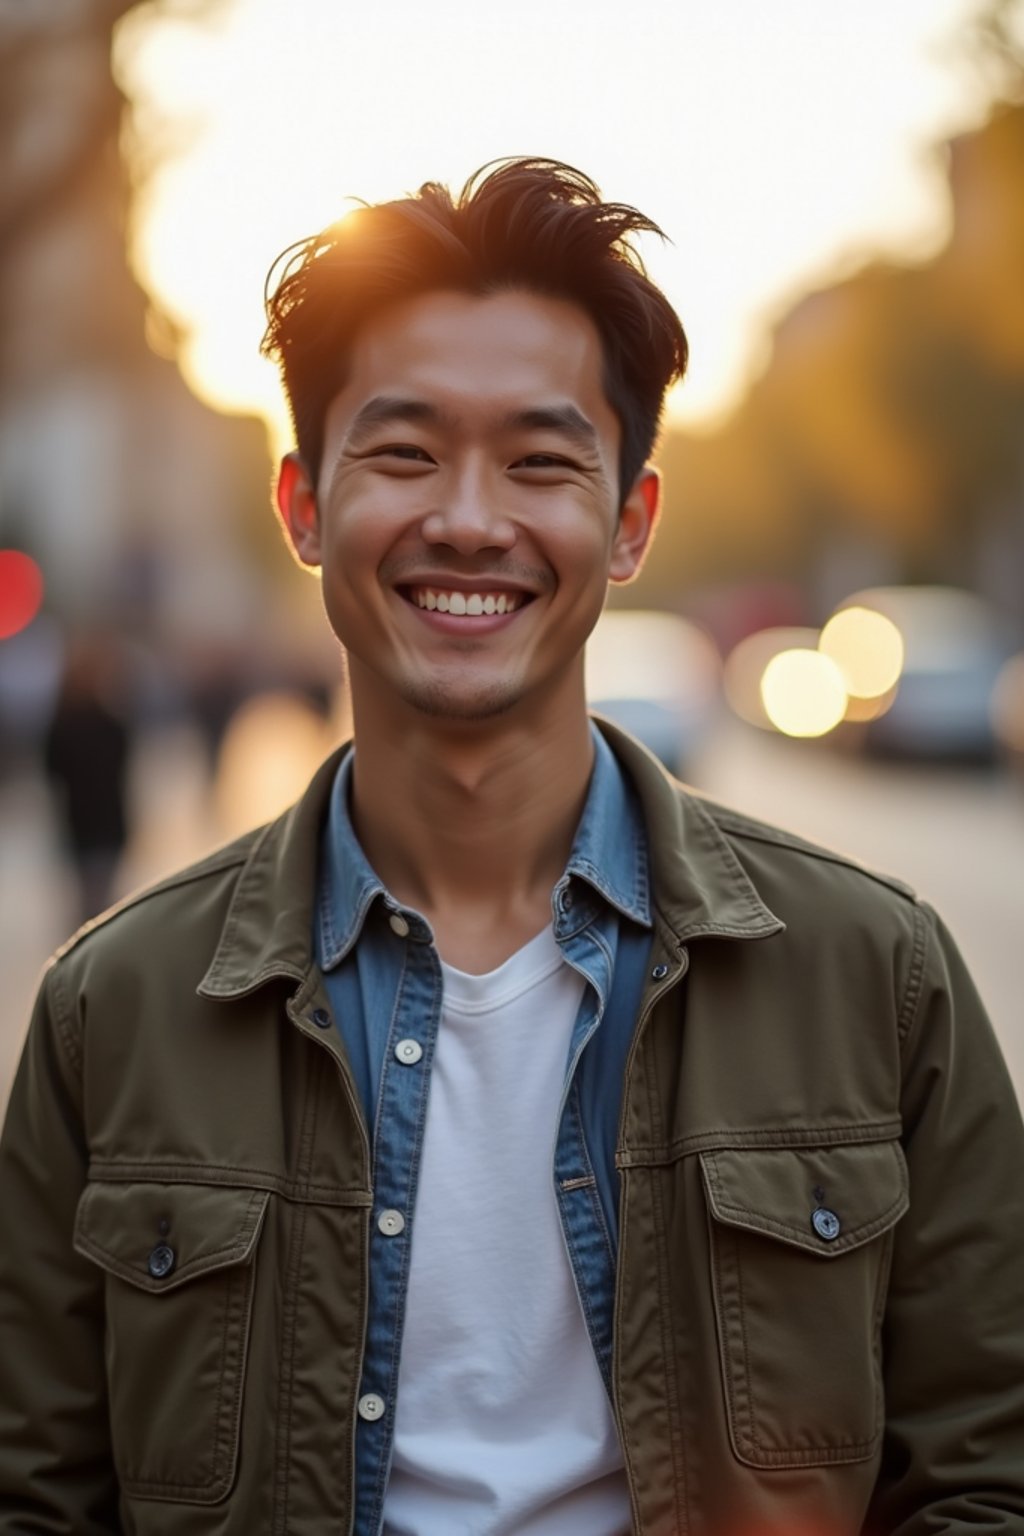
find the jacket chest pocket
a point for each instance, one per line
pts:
(801, 1244)
(178, 1260)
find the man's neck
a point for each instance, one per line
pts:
(472, 827)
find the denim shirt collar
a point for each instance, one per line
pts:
(607, 865)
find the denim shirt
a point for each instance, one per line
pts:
(383, 978)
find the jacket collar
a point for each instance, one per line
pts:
(700, 888)
(608, 854)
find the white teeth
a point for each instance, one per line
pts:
(471, 604)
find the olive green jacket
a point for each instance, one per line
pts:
(820, 1289)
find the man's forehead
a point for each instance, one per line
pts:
(509, 355)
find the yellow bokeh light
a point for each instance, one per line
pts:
(867, 648)
(746, 667)
(803, 693)
(859, 709)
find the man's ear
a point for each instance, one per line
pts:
(296, 502)
(637, 522)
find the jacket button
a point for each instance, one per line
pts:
(370, 1407)
(398, 924)
(659, 972)
(408, 1052)
(826, 1223)
(161, 1261)
(321, 1018)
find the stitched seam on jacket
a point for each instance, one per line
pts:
(61, 1015)
(116, 1170)
(915, 976)
(669, 1353)
(775, 838)
(289, 1329)
(729, 1138)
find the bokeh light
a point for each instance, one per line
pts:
(803, 693)
(746, 665)
(21, 591)
(867, 648)
(644, 654)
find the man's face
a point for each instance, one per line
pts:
(466, 515)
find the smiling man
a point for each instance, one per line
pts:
(504, 1142)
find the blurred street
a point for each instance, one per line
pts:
(956, 835)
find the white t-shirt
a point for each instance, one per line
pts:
(503, 1426)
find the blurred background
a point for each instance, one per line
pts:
(830, 633)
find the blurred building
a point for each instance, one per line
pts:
(137, 500)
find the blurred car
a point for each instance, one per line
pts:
(955, 648)
(1008, 711)
(658, 676)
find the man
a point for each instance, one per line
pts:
(504, 1141)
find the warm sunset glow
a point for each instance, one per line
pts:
(867, 648)
(272, 746)
(284, 112)
(803, 693)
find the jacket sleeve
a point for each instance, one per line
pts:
(56, 1471)
(953, 1458)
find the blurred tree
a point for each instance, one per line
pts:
(889, 420)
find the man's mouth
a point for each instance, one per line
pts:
(470, 604)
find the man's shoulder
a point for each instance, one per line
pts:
(770, 844)
(817, 892)
(243, 885)
(191, 898)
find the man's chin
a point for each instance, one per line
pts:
(439, 701)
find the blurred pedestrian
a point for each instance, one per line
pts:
(86, 751)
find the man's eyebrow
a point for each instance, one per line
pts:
(388, 410)
(383, 410)
(565, 419)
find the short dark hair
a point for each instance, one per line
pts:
(533, 224)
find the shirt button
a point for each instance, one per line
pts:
(408, 1052)
(391, 1223)
(370, 1406)
(161, 1261)
(321, 1018)
(659, 972)
(398, 924)
(826, 1223)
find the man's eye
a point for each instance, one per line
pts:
(543, 461)
(403, 451)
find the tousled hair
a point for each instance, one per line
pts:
(530, 224)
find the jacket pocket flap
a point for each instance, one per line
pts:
(825, 1200)
(158, 1236)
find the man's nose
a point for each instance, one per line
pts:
(469, 515)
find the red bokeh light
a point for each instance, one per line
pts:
(21, 591)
